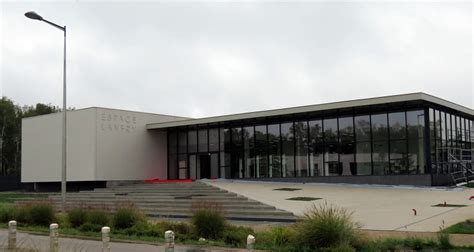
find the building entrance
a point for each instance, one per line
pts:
(204, 166)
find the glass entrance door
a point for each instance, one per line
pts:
(204, 166)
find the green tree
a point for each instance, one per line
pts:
(10, 132)
(10, 137)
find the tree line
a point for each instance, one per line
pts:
(10, 132)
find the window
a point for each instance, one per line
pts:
(173, 142)
(347, 146)
(249, 152)
(363, 145)
(236, 153)
(213, 139)
(398, 143)
(225, 152)
(182, 142)
(380, 151)
(202, 139)
(192, 141)
(287, 155)
(261, 151)
(416, 150)
(315, 148)
(301, 143)
(274, 150)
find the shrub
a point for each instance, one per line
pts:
(236, 236)
(62, 220)
(209, 223)
(183, 230)
(7, 213)
(414, 243)
(90, 227)
(41, 214)
(97, 217)
(342, 248)
(77, 217)
(22, 215)
(443, 240)
(126, 218)
(281, 236)
(326, 226)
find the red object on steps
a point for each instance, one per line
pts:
(471, 198)
(168, 180)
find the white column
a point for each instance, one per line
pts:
(105, 239)
(12, 235)
(53, 237)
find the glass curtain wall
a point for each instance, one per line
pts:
(451, 141)
(363, 144)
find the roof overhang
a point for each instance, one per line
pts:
(319, 107)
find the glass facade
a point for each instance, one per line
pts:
(383, 143)
(451, 141)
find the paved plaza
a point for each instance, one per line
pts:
(374, 207)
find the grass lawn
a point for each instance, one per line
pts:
(10, 197)
(466, 227)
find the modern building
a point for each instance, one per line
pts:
(414, 139)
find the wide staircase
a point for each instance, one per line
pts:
(173, 201)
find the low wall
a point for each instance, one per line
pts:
(71, 186)
(10, 183)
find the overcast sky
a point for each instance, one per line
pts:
(208, 58)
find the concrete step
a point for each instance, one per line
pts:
(153, 192)
(164, 197)
(157, 186)
(268, 218)
(175, 201)
(225, 211)
(227, 203)
(161, 210)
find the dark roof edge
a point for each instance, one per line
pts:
(317, 107)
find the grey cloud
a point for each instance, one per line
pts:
(201, 59)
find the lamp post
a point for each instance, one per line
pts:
(35, 16)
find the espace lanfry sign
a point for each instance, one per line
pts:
(117, 122)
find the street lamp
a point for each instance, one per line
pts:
(35, 16)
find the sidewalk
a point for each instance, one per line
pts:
(41, 243)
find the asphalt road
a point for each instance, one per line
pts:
(41, 243)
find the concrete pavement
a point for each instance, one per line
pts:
(374, 207)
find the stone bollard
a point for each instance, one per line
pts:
(169, 239)
(250, 242)
(105, 239)
(53, 238)
(12, 234)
